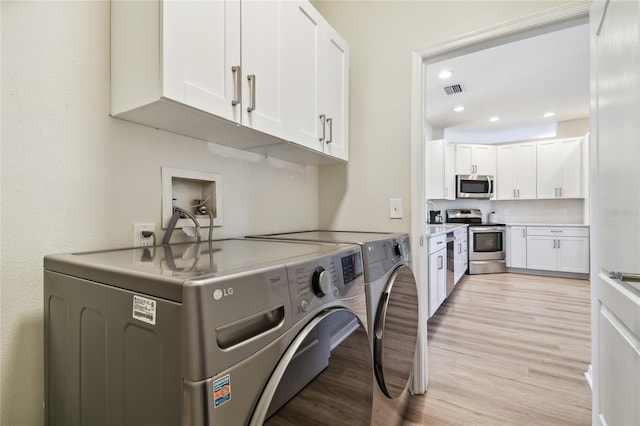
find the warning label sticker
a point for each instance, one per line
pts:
(221, 391)
(144, 309)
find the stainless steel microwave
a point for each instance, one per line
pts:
(474, 186)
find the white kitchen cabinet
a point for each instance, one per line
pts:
(460, 254)
(222, 72)
(475, 159)
(319, 81)
(440, 162)
(517, 247)
(437, 272)
(516, 171)
(558, 249)
(559, 168)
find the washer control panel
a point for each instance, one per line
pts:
(314, 284)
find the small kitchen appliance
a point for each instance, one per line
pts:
(486, 241)
(474, 186)
(435, 217)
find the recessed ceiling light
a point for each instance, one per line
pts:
(549, 114)
(494, 119)
(445, 74)
(459, 108)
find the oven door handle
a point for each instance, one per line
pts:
(486, 229)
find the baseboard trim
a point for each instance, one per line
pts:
(549, 273)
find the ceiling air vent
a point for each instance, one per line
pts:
(453, 89)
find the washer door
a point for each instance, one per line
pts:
(396, 332)
(343, 390)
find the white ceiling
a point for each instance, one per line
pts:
(517, 82)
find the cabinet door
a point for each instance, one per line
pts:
(504, 173)
(449, 171)
(547, 170)
(482, 158)
(437, 280)
(336, 94)
(463, 159)
(524, 160)
(570, 155)
(435, 151)
(200, 45)
(541, 253)
(573, 254)
(517, 252)
(304, 36)
(264, 99)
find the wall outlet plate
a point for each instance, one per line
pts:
(138, 239)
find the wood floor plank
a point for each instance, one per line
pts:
(508, 349)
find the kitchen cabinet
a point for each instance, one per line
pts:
(516, 171)
(558, 249)
(441, 179)
(460, 254)
(475, 159)
(223, 72)
(437, 272)
(559, 168)
(517, 247)
(319, 81)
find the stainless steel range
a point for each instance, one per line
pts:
(486, 241)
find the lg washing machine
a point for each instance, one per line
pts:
(220, 333)
(392, 310)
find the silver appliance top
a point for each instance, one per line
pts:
(162, 270)
(348, 237)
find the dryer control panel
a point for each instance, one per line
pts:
(314, 284)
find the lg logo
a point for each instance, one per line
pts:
(219, 294)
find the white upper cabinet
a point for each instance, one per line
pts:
(475, 159)
(335, 91)
(265, 105)
(248, 74)
(198, 53)
(516, 171)
(440, 170)
(559, 168)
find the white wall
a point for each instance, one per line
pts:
(382, 36)
(75, 179)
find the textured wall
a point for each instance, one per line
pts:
(75, 179)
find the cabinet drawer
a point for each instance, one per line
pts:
(460, 233)
(437, 243)
(554, 231)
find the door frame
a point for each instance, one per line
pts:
(560, 17)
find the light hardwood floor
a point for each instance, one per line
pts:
(508, 349)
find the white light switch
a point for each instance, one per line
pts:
(395, 208)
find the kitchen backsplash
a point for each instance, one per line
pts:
(571, 211)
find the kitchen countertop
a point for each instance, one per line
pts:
(434, 230)
(564, 225)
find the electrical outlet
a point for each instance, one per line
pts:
(395, 208)
(138, 239)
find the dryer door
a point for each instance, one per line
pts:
(396, 332)
(343, 390)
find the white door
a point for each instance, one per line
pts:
(616, 302)
(481, 158)
(201, 45)
(505, 185)
(304, 43)
(573, 254)
(264, 79)
(547, 170)
(570, 154)
(525, 171)
(517, 247)
(463, 160)
(541, 252)
(336, 95)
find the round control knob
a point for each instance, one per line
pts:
(321, 282)
(304, 305)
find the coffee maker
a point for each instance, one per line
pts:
(435, 217)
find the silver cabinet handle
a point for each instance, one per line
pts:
(556, 231)
(236, 85)
(252, 98)
(558, 243)
(460, 248)
(518, 193)
(323, 120)
(560, 191)
(330, 123)
(623, 276)
(514, 193)
(440, 262)
(554, 243)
